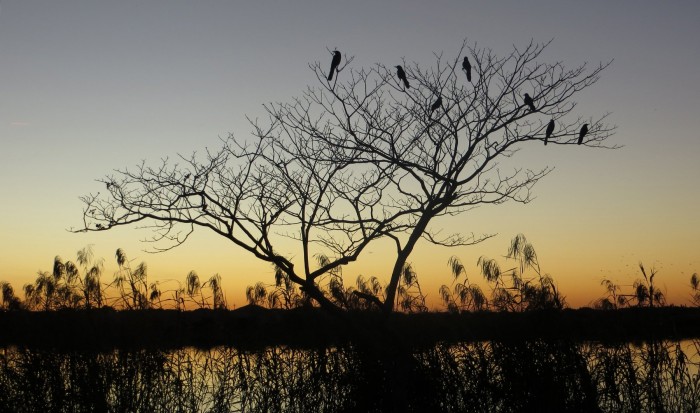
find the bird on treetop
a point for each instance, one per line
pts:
(467, 67)
(402, 76)
(550, 129)
(436, 105)
(582, 133)
(529, 102)
(334, 64)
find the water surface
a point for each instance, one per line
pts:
(469, 377)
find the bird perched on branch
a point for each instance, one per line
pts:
(529, 102)
(467, 67)
(402, 76)
(436, 105)
(334, 64)
(550, 129)
(582, 133)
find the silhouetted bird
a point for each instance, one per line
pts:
(334, 64)
(436, 105)
(529, 102)
(582, 133)
(550, 129)
(402, 76)
(187, 177)
(467, 68)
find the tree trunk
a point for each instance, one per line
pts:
(402, 257)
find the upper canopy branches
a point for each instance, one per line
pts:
(366, 154)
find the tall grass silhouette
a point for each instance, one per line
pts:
(642, 293)
(467, 377)
(80, 285)
(520, 288)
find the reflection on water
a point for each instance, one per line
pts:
(470, 377)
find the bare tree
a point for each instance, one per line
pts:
(361, 158)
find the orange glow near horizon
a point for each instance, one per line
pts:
(578, 281)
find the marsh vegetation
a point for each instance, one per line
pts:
(491, 376)
(509, 345)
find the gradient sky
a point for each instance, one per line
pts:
(91, 86)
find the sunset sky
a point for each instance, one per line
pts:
(87, 87)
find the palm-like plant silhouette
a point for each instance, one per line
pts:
(643, 292)
(511, 290)
(695, 285)
(197, 291)
(79, 285)
(131, 284)
(65, 287)
(463, 295)
(410, 295)
(9, 301)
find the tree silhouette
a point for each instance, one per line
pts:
(355, 161)
(367, 294)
